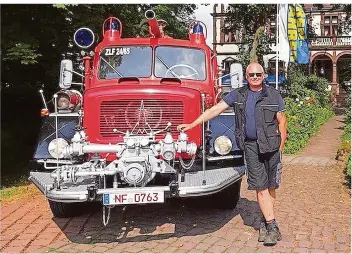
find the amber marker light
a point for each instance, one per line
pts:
(44, 112)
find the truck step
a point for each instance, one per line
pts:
(212, 181)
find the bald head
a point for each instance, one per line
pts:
(254, 67)
(255, 76)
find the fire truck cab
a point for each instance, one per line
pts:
(114, 139)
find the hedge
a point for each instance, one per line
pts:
(304, 119)
(346, 138)
(307, 107)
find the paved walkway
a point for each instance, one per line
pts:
(322, 148)
(313, 211)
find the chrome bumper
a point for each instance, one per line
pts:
(192, 186)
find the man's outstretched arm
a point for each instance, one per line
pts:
(206, 116)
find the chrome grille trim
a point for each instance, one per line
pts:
(125, 113)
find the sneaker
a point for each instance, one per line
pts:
(262, 230)
(273, 235)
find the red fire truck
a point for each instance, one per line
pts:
(113, 139)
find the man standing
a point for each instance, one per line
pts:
(260, 133)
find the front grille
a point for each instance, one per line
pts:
(123, 115)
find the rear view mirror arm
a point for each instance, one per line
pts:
(72, 71)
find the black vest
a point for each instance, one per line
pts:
(268, 133)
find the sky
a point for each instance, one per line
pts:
(202, 13)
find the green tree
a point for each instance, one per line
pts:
(36, 37)
(251, 19)
(32, 38)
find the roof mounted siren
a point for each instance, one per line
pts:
(153, 24)
(196, 31)
(84, 37)
(112, 29)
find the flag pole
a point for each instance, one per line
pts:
(277, 49)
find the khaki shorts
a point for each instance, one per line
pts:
(263, 170)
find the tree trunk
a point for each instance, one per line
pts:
(253, 53)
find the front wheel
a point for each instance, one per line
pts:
(227, 198)
(65, 210)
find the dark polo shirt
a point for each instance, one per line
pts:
(251, 130)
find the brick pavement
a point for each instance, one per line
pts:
(313, 211)
(322, 148)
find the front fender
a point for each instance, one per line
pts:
(223, 125)
(66, 130)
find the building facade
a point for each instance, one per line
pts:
(330, 48)
(225, 45)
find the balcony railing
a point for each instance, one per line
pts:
(316, 42)
(331, 41)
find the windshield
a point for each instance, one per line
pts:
(180, 62)
(125, 61)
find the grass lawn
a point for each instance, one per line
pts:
(17, 192)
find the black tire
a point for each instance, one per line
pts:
(65, 210)
(227, 198)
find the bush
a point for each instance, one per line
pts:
(300, 86)
(347, 129)
(320, 87)
(347, 132)
(308, 107)
(346, 138)
(304, 120)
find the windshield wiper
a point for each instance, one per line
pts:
(173, 73)
(118, 73)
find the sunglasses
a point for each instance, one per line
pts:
(257, 74)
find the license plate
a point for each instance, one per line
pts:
(140, 197)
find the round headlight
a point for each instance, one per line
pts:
(63, 100)
(56, 146)
(222, 145)
(68, 99)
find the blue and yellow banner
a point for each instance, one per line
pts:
(297, 34)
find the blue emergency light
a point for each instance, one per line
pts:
(115, 25)
(198, 29)
(84, 37)
(112, 24)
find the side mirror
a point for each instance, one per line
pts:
(237, 75)
(65, 74)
